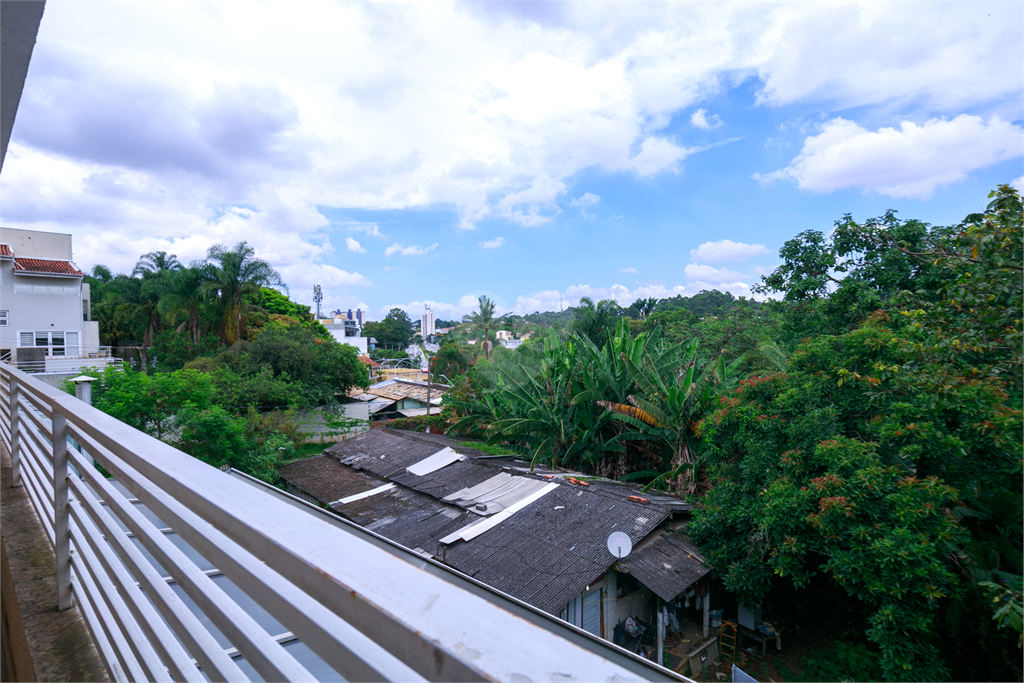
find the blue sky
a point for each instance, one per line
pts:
(533, 152)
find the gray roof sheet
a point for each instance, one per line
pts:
(668, 564)
(544, 554)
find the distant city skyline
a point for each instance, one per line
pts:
(535, 153)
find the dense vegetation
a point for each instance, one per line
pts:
(210, 349)
(394, 332)
(863, 433)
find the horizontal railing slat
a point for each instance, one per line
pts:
(99, 637)
(265, 654)
(143, 613)
(104, 601)
(334, 640)
(198, 640)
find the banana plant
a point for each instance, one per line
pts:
(540, 407)
(676, 390)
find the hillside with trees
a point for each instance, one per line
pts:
(854, 442)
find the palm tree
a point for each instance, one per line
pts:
(156, 263)
(644, 307)
(484, 321)
(232, 274)
(184, 298)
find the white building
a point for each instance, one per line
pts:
(45, 321)
(427, 323)
(347, 329)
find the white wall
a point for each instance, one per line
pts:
(37, 244)
(358, 342)
(38, 312)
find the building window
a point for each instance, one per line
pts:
(55, 343)
(47, 289)
(4, 318)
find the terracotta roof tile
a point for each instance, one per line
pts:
(37, 265)
(5, 250)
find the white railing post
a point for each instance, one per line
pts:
(15, 432)
(61, 511)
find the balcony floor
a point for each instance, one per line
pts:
(59, 643)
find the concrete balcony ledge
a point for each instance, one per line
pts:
(39, 642)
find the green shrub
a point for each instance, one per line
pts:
(843, 661)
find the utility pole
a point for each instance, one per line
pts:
(318, 297)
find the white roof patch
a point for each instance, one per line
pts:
(468, 533)
(435, 462)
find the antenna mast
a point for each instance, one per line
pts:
(318, 297)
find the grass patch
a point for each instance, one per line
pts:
(489, 449)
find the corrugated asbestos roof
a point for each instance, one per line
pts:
(667, 564)
(544, 554)
(399, 389)
(38, 265)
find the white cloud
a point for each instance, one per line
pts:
(697, 271)
(1018, 184)
(492, 244)
(414, 250)
(148, 125)
(727, 250)
(353, 245)
(587, 199)
(630, 270)
(656, 154)
(371, 229)
(700, 119)
(530, 202)
(907, 162)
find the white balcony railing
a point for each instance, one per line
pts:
(183, 572)
(76, 360)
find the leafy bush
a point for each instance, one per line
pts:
(213, 435)
(843, 661)
(438, 423)
(173, 350)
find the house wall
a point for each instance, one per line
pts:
(637, 603)
(38, 312)
(338, 332)
(37, 244)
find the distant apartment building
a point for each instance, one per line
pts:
(45, 320)
(347, 328)
(427, 328)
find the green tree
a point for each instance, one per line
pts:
(394, 331)
(149, 403)
(211, 434)
(483, 322)
(595, 321)
(233, 275)
(450, 360)
(183, 300)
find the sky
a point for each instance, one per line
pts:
(535, 152)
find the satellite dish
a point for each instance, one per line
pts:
(619, 544)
